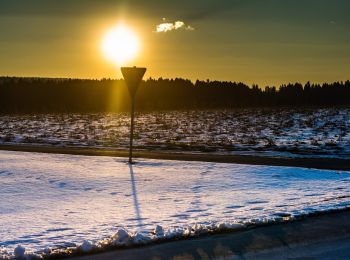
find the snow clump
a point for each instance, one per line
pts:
(121, 237)
(86, 246)
(19, 251)
(158, 231)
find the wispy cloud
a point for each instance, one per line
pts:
(171, 26)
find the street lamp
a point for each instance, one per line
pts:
(132, 77)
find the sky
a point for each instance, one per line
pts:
(267, 42)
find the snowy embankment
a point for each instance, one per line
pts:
(70, 203)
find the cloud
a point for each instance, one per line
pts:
(167, 26)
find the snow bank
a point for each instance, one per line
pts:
(61, 204)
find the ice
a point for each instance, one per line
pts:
(52, 202)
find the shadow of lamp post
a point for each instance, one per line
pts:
(132, 77)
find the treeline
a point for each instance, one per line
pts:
(33, 95)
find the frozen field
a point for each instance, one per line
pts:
(53, 201)
(274, 132)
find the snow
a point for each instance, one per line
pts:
(51, 201)
(311, 132)
(19, 251)
(87, 246)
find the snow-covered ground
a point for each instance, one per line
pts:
(51, 200)
(274, 132)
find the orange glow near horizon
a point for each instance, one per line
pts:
(64, 39)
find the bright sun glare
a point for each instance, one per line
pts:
(120, 44)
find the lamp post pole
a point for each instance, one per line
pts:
(131, 128)
(132, 77)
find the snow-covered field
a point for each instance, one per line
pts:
(275, 132)
(51, 201)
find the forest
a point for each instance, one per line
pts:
(50, 95)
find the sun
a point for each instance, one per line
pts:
(120, 44)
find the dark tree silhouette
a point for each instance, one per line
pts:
(42, 95)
